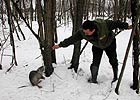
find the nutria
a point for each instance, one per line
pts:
(35, 76)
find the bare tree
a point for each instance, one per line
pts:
(134, 35)
(47, 19)
(134, 7)
(115, 6)
(31, 12)
(9, 14)
(77, 16)
(48, 42)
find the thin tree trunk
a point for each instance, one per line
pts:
(135, 22)
(31, 12)
(16, 19)
(126, 10)
(115, 10)
(135, 45)
(40, 18)
(46, 44)
(11, 31)
(77, 21)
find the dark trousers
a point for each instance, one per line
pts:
(97, 55)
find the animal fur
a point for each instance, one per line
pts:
(35, 76)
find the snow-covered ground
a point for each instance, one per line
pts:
(64, 84)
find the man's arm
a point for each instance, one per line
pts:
(68, 41)
(117, 24)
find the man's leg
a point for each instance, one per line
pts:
(97, 54)
(112, 55)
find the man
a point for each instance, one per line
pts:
(99, 33)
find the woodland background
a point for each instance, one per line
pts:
(52, 14)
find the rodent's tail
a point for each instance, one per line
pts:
(23, 86)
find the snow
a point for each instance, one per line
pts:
(64, 84)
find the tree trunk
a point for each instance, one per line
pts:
(121, 9)
(25, 12)
(127, 52)
(39, 18)
(31, 12)
(77, 21)
(49, 17)
(134, 8)
(126, 11)
(99, 7)
(11, 31)
(47, 41)
(115, 10)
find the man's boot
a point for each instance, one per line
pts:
(94, 73)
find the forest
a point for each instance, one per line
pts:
(52, 14)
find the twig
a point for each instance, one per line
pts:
(38, 57)
(53, 88)
(109, 92)
(78, 73)
(57, 76)
(10, 68)
(2, 44)
(23, 86)
(64, 59)
(83, 47)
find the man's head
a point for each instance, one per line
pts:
(89, 27)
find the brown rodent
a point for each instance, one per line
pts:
(35, 76)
